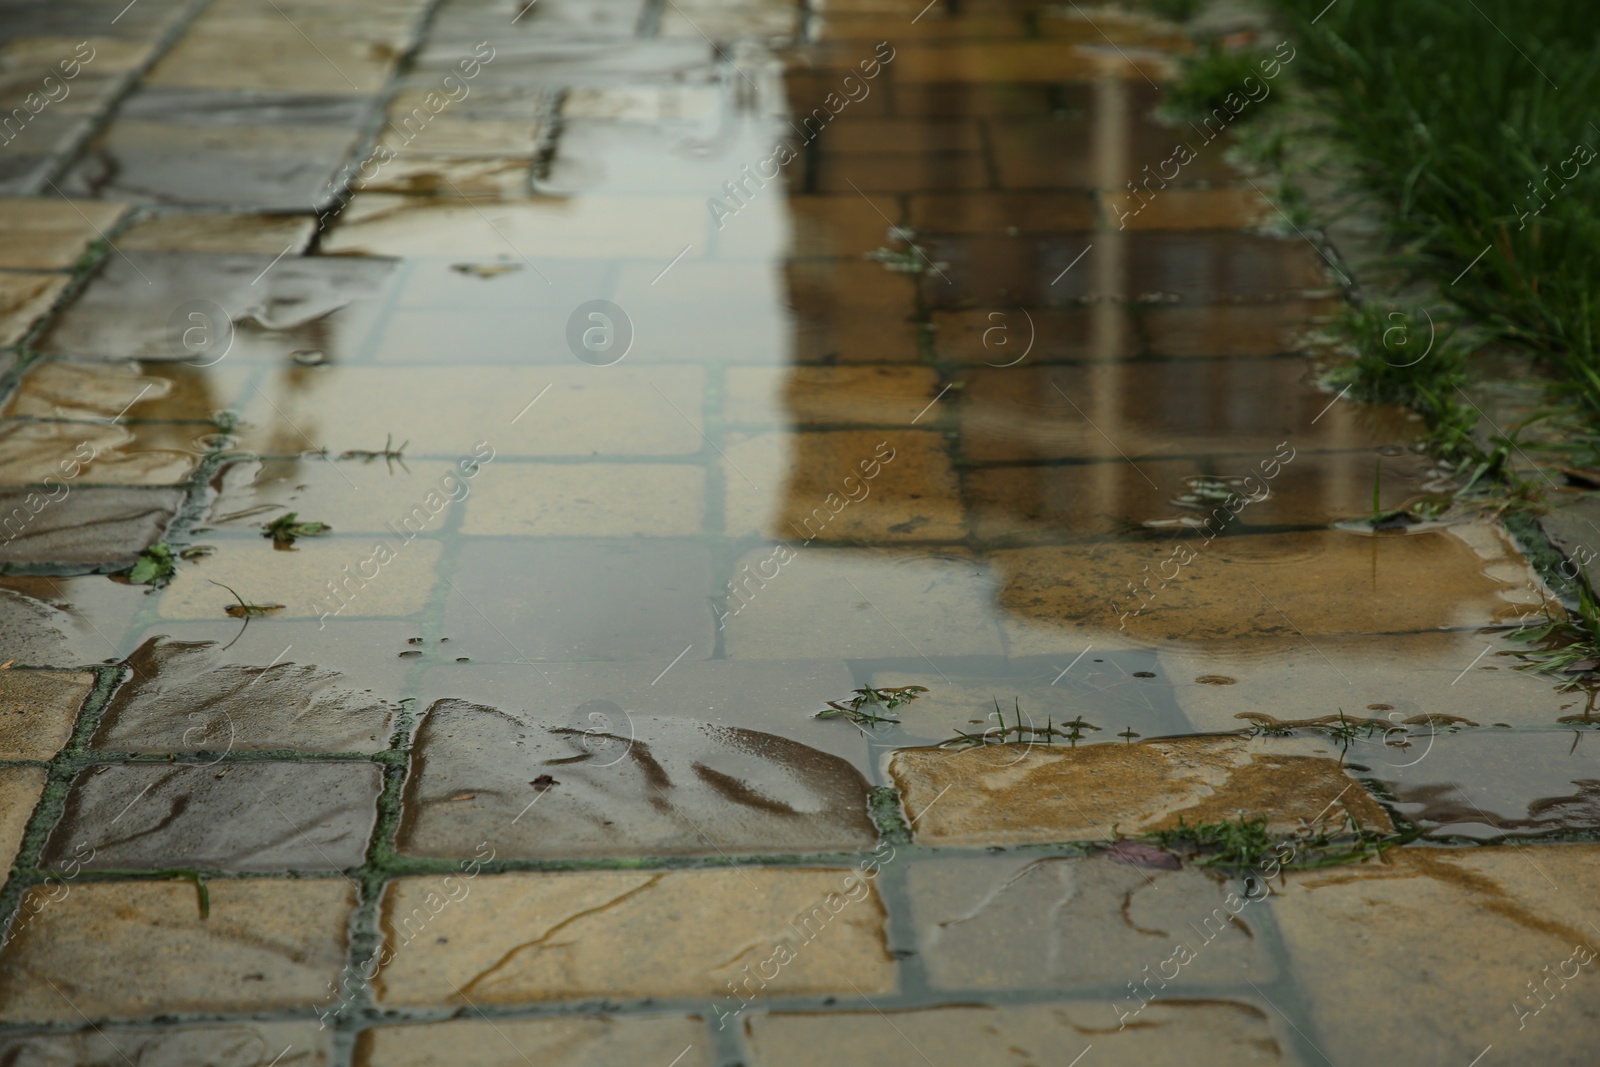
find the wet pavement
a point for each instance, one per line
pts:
(666, 371)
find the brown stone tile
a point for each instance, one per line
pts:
(1257, 408)
(37, 710)
(828, 396)
(24, 299)
(1042, 793)
(1516, 976)
(837, 226)
(880, 173)
(98, 525)
(191, 696)
(1307, 584)
(342, 576)
(250, 816)
(1230, 329)
(851, 135)
(38, 233)
(58, 389)
(814, 486)
(1019, 61)
(976, 212)
(418, 175)
(588, 500)
(1017, 336)
(1188, 209)
(20, 788)
(297, 1044)
(941, 604)
(856, 335)
(638, 785)
(571, 1041)
(264, 235)
(1017, 922)
(829, 288)
(1173, 1035)
(91, 453)
(110, 950)
(1061, 152)
(624, 934)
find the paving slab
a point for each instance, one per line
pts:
(25, 297)
(580, 1041)
(130, 950)
(588, 500)
(46, 453)
(193, 696)
(212, 232)
(21, 788)
(236, 1044)
(92, 525)
(639, 785)
(1021, 793)
(38, 709)
(536, 937)
(51, 234)
(248, 816)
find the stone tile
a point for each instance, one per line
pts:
(1189, 209)
(60, 621)
(1109, 497)
(191, 696)
(616, 600)
(37, 711)
(1191, 268)
(251, 816)
(571, 1041)
(1044, 793)
(588, 500)
(835, 227)
(1326, 582)
(97, 525)
(976, 212)
(1174, 1035)
(1500, 979)
(625, 934)
(705, 312)
(50, 234)
(197, 1045)
(32, 452)
(719, 21)
(1230, 329)
(640, 103)
(1013, 336)
(417, 175)
(828, 396)
(1392, 677)
(274, 57)
(882, 173)
(856, 335)
(336, 575)
(931, 604)
(380, 224)
(455, 136)
(21, 788)
(57, 389)
(126, 950)
(814, 487)
(899, 136)
(262, 235)
(311, 302)
(24, 300)
(636, 785)
(1018, 922)
(1060, 150)
(354, 495)
(1042, 61)
(611, 411)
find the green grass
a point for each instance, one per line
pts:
(1459, 131)
(1245, 842)
(1171, 10)
(1215, 77)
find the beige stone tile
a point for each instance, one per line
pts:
(444, 411)
(20, 788)
(260, 234)
(588, 500)
(1481, 941)
(1188, 209)
(572, 1041)
(126, 950)
(1017, 922)
(828, 603)
(640, 103)
(297, 1044)
(56, 389)
(450, 134)
(24, 299)
(275, 57)
(975, 212)
(806, 487)
(591, 227)
(37, 710)
(748, 19)
(352, 495)
(1324, 582)
(1005, 794)
(418, 175)
(1174, 1035)
(31, 451)
(829, 396)
(530, 937)
(305, 579)
(109, 55)
(38, 233)
(1389, 677)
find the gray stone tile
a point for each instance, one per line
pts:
(235, 816)
(98, 525)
